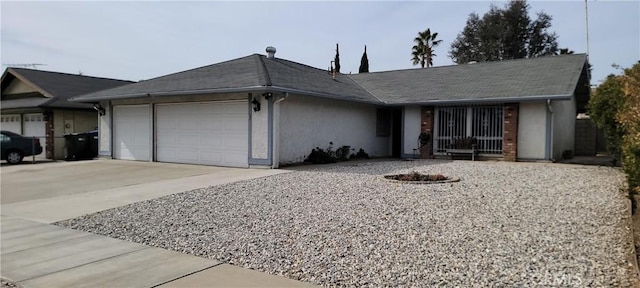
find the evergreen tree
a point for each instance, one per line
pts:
(502, 34)
(470, 50)
(337, 59)
(565, 51)
(364, 62)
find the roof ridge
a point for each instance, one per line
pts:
(366, 90)
(264, 70)
(483, 63)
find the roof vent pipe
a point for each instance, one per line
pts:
(271, 52)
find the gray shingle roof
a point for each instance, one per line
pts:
(57, 87)
(251, 73)
(295, 76)
(543, 77)
(241, 72)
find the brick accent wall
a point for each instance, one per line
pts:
(510, 132)
(426, 125)
(48, 145)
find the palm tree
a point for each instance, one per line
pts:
(423, 52)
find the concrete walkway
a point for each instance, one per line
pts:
(40, 255)
(36, 254)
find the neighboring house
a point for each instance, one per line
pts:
(265, 111)
(35, 103)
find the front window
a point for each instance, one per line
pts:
(484, 123)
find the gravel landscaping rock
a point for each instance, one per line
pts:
(503, 224)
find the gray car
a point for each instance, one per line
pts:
(15, 146)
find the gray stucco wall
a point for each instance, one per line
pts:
(306, 122)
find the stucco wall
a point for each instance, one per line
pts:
(564, 123)
(17, 87)
(260, 129)
(71, 121)
(411, 130)
(104, 131)
(307, 122)
(532, 122)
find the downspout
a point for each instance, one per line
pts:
(275, 139)
(549, 130)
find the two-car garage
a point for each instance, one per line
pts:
(209, 133)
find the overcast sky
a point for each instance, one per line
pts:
(143, 40)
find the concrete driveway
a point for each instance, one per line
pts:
(50, 192)
(36, 254)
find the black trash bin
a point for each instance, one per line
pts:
(75, 146)
(92, 147)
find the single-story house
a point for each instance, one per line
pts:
(260, 110)
(35, 103)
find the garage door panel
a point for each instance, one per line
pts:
(11, 122)
(131, 132)
(169, 155)
(189, 140)
(212, 133)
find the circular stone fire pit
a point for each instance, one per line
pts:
(418, 178)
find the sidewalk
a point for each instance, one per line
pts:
(40, 255)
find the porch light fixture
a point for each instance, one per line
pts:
(256, 105)
(99, 108)
(267, 95)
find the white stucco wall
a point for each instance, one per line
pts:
(260, 129)
(564, 123)
(411, 130)
(104, 131)
(532, 130)
(306, 122)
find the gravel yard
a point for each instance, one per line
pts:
(503, 224)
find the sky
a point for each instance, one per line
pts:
(146, 39)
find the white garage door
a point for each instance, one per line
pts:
(131, 132)
(11, 123)
(210, 133)
(34, 125)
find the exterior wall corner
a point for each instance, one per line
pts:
(510, 133)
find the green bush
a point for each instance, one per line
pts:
(629, 118)
(603, 107)
(328, 155)
(615, 108)
(360, 155)
(319, 156)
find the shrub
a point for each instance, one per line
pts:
(629, 118)
(328, 155)
(603, 107)
(360, 155)
(342, 153)
(319, 156)
(615, 108)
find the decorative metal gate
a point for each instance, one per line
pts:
(484, 123)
